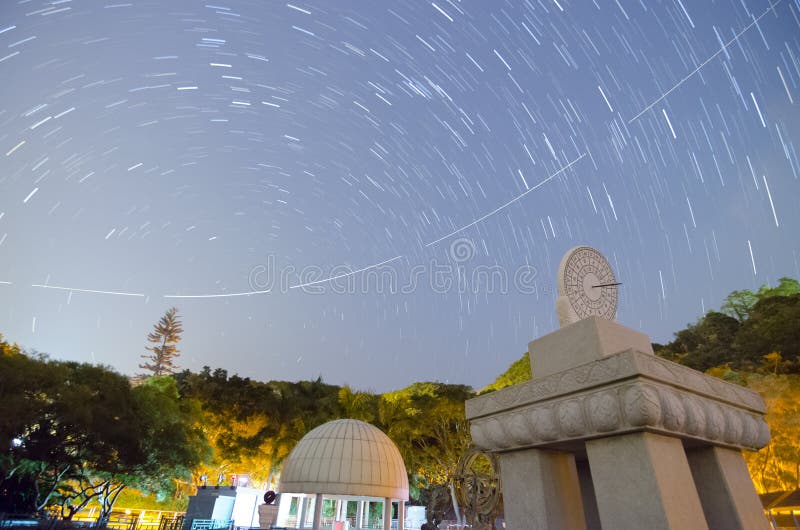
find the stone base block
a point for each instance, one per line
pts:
(584, 341)
(541, 491)
(729, 500)
(643, 480)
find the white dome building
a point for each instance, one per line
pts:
(344, 461)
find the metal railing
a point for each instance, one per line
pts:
(211, 524)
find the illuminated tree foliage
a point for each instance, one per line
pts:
(253, 426)
(427, 422)
(775, 467)
(518, 372)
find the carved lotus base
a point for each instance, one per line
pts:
(622, 393)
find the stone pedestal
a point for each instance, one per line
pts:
(267, 515)
(726, 490)
(551, 491)
(652, 444)
(644, 470)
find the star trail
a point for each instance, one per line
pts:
(380, 193)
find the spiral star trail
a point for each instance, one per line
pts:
(380, 193)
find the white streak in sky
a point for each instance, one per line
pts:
(15, 148)
(474, 62)
(346, 274)
(301, 30)
(661, 280)
(31, 194)
(605, 98)
(60, 114)
(440, 10)
(690, 23)
(512, 201)
(758, 109)
(785, 86)
(591, 199)
(9, 56)
(84, 290)
(691, 212)
(752, 259)
(501, 58)
(228, 295)
(523, 179)
(774, 215)
(722, 49)
(290, 6)
(669, 123)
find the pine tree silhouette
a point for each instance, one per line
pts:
(164, 337)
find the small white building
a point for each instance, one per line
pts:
(344, 461)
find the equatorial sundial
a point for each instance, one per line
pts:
(586, 286)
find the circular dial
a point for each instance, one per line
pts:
(585, 278)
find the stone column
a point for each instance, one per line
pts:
(545, 490)
(726, 491)
(642, 480)
(317, 524)
(588, 496)
(401, 514)
(387, 514)
(359, 514)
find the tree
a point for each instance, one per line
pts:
(739, 303)
(73, 417)
(164, 443)
(75, 433)
(164, 337)
(518, 372)
(786, 287)
(707, 343)
(427, 423)
(774, 363)
(772, 327)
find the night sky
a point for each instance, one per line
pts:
(394, 182)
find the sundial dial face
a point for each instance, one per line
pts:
(586, 286)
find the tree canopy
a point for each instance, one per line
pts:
(750, 326)
(72, 432)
